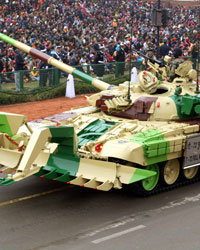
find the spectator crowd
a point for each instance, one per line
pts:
(80, 32)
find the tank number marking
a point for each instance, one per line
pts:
(192, 152)
(122, 141)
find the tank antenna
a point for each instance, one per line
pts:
(197, 61)
(131, 43)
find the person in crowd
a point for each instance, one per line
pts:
(80, 27)
(194, 51)
(176, 61)
(43, 73)
(55, 53)
(120, 58)
(19, 65)
(177, 52)
(164, 49)
(99, 63)
(151, 56)
(1, 69)
(82, 62)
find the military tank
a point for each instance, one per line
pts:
(143, 136)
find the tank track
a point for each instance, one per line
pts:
(137, 189)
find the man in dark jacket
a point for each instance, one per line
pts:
(1, 65)
(43, 73)
(177, 52)
(19, 65)
(194, 53)
(99, 63)
(164, 49)
(120, 58)
(177, 60)
(57, 54)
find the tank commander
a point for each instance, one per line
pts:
(176, 61)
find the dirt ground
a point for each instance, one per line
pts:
(42, 109)
(186, 4)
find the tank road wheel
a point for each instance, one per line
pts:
(171, 171)
(190, 173)
(147, 186)
(150, 183)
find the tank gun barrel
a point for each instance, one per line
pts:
(52, 61)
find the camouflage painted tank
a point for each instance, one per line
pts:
(146, 141)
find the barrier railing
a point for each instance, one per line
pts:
(39, 80)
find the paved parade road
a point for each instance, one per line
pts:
(41, 214)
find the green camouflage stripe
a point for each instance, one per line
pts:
(155, 147)
(4, 125)
(187, 106)
(141, 174)
(64, 164)
(7, 39)
(6, 181)
(81, 75)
